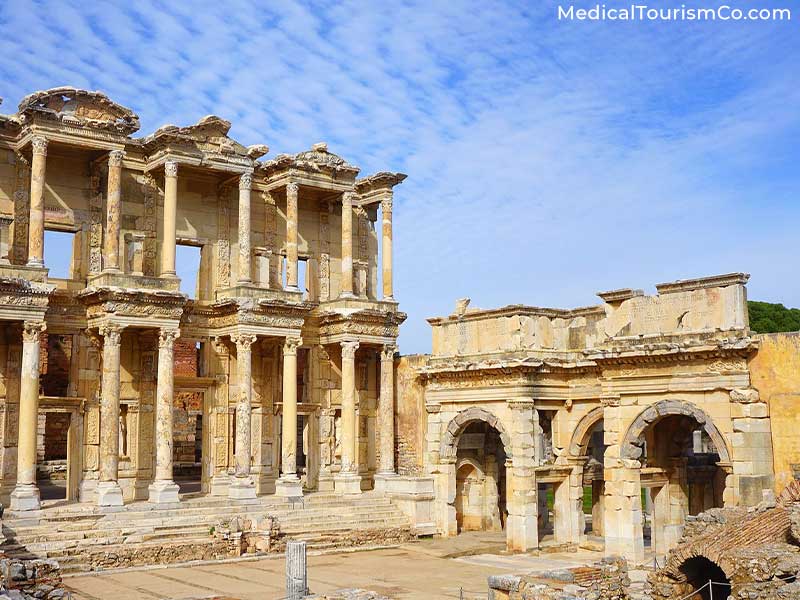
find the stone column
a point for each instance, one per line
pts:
(245, 252)
(36, 222)
(522, 533)
(289, 484)
(386, 249)
(113, 210)
(386, 416)
(26, 494)
(348, 481)
(108, 491)
(243, 485)
(347, 245)
(291, 236)
(170, 217)
(163, 489)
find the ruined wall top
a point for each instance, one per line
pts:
(684, 311)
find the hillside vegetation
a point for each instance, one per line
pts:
(766, 317)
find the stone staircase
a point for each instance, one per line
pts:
(70, 533)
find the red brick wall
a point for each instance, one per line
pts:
(185, 358)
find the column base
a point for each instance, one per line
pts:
(348, 295)
(35, 263)
(383, 481)
(163, 492)
(25, 497)
(220, 484)
(242, 488)
(289, 487)
(347, 484)
(109, 494)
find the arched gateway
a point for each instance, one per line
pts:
(485, 477)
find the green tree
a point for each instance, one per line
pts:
(766, 317)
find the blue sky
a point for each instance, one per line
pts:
(547, 160)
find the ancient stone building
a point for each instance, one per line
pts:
(274, 377)
(608, 424)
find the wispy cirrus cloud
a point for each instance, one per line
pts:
(547, 159)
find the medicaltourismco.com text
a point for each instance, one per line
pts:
(643, 12)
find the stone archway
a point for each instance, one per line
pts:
(449, 444)
(661, 438)
(587, 451)
(631, 447)
(488, 486)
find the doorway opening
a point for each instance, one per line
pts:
(480, 479)
(707, 578)
(52, 451)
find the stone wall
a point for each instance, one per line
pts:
(775, 373)
(411, 417)
(28, 579)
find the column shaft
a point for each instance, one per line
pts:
(386, 250)
(349, 426)
(386, 411)
(26, 495)
(36, 222)
(291, 236)
(164, 488)
(245, 251)
(170, 217)
(243, 485)
(347, 245)
(113, 210)
(289, 483)
(108, 490)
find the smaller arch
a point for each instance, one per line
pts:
(580, 437)
(631, 443)
(449, 444)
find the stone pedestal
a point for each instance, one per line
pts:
(109, 494)
(287, 487)
(242, 488)
(384, 481)
(25, 497)
(163, 492)
(347, 484)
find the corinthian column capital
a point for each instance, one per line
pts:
(243, 341)
(111, 333)
(171, 168)
(349, 349)
(388, 351)
(246, 180)
(290, 346)
(349, 198)
(167, 337)
(292, 188)
(115, 158)
(386, 204)
(31, 330)
(39, 145)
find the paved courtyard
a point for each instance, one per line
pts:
(412, 572)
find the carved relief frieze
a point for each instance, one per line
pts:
(22, 208)
(150, 194)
